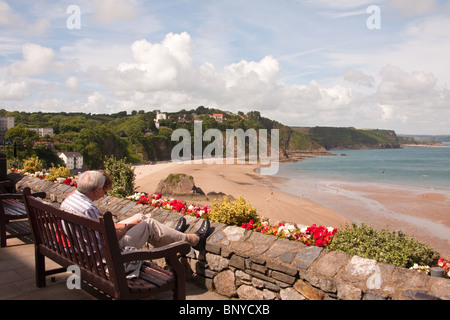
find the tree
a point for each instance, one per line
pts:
(22, 140)
(122, 176)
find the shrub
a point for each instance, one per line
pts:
(122, 176)
(32, 165)
(384, 246)
(232, 212)
(59, 172)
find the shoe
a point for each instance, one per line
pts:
(202, 233)
(181, 225)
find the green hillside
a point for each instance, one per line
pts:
(351, 138)
(133, 136)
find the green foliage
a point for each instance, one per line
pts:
(57, 172)
(132, 136)
(15, 163)
(122, 176)
(48, 157)
(335, 138)
(32, 165)
(384, 246)
(22, 139)
(231, 212)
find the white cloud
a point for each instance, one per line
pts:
(359, 77)
(397, 85)
(73, 84)
(96, 103)
(13, 90)
(267, 70)
(7, 16)
(37, 60)
(162, 75)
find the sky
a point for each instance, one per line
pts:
(380, 64)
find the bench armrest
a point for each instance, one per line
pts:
(14, 196)
(157, 253)
(19, 196)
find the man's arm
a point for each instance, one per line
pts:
(122, 228)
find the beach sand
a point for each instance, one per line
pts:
(242, 180)
(420, 213)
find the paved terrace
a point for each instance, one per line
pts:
(17, 281)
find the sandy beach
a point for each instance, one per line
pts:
(420, 213)
(242, 180)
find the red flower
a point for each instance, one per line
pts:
(320, 242)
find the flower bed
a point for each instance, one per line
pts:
(171, 204)
(43, 175)
(441, 263)
(310, 235)
(319, 236)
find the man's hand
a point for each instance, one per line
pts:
(122, 228)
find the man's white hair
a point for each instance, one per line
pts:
(88, 181)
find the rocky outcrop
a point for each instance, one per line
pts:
(178, 184)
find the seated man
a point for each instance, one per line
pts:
(132, 232)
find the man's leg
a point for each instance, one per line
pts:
(152, 231)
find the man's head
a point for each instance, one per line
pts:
(91, 183)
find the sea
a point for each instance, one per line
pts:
(425, 167)
(339, 183)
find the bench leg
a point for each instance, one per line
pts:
(39, 269)
(2, 231)
(179, 292)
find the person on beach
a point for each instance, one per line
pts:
(132, 232)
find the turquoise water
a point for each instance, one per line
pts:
(419, 167)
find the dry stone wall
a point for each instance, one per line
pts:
(243, 264)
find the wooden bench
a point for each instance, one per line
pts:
(12, 208)
(62, 237)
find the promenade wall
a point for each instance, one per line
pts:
(243, 264)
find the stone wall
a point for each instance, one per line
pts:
(239, 263)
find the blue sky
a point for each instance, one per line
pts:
(300, 62)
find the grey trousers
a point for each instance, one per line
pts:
(149, 230)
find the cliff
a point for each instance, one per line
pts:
(332, 138)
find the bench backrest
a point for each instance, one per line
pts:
(59, 235)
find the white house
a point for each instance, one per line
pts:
(159, 116)
(73, 160)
